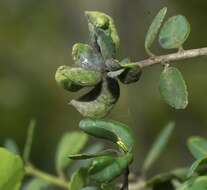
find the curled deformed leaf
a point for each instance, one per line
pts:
(98, 102)
(105, 22)
(130, 75)
(154, 28)
(113, 131)
(107, 168)
(174, 32)
(106, 44)
(199, 183)
(198, 147)
(61, 77)
(78, 179)
(158, 146)
(73, 78)
(85, 57)
(70, 143)
(173, 88)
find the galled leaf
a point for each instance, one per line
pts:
(198, 147)
(173, 88)
(70, 143)
(158, 146)
(154, 28)
(107, 168)
(174, 32)
(11, 170)
(113, 131)
(98, 102)
(85, 57)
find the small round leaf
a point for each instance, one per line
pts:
(173, 88)
(174, 32)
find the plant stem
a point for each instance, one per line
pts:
(31, 170)
(125, 185)
(181, 55)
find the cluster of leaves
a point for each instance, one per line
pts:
(97, 66)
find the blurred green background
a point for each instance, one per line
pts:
(36, 37)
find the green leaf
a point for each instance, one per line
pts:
(199, 183)
(89, 156)
(99, 101)
(113, 131)
(107, 168)
(197, 165)
(90, 188)
(197, 147)
(70, 143)
(174, 32)
(37, 184)
(85, 57)
(105, 22)
(158, 146)
(106, 45)
(11, 145)
(178, 174)
(78, 179)
(173, 88)
(154, 29)
(11, 170)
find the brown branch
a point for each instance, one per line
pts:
(181, 55)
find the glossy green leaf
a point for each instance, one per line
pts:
(70, 143)
(198, 147)
(107, 168)
(89, 156)
(78, 179)
(154, 29)
(113, 131)
(37, 184)
(105, 22)
(199, 183)
(98, 102)
(85, 57)
(174, 32)
(11, 170)
(173, 88)
(11, 145)
(198, 164)
(158, 146)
